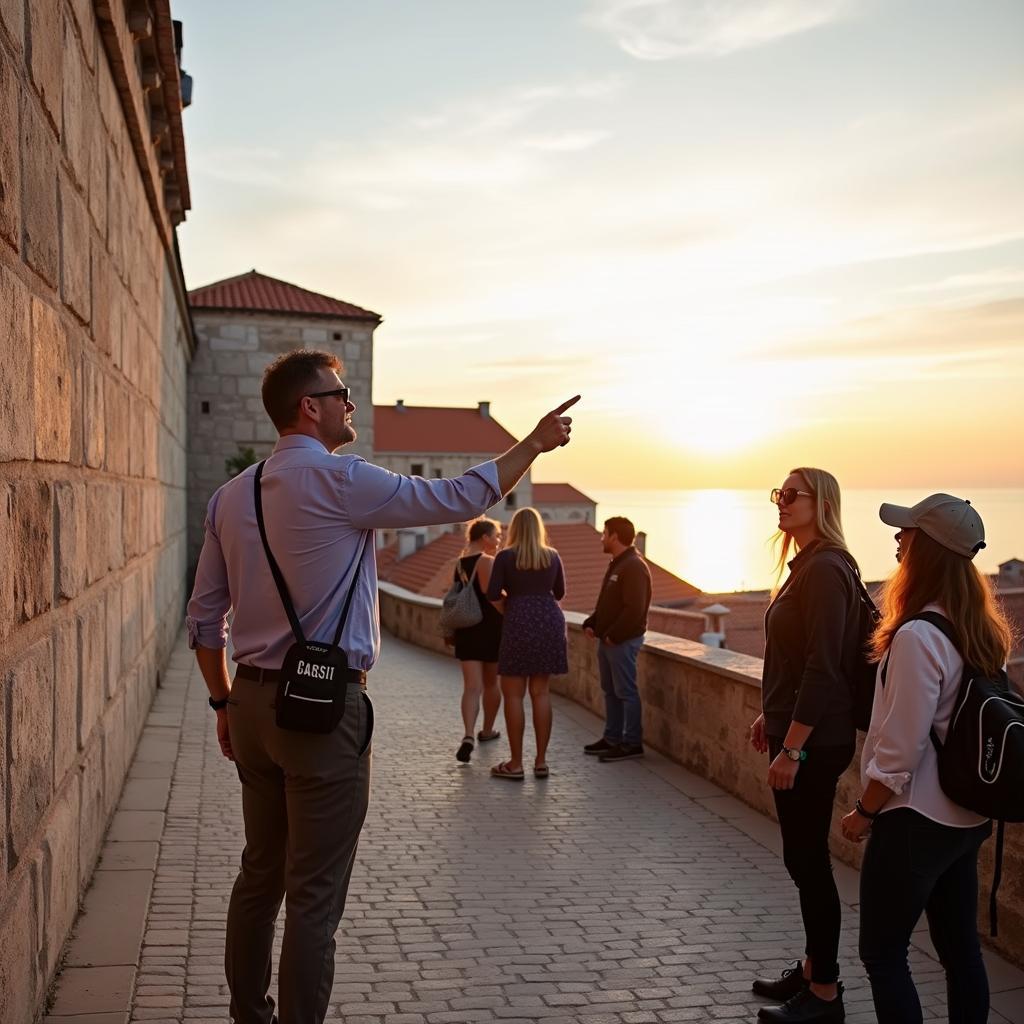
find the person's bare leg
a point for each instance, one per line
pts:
(513, 689)
(472, 685)
(540, 701)
(492, 695)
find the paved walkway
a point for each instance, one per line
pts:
(608, 894)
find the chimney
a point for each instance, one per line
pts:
(400, 405)
(640, 542)
(406, 543)
(484, 409)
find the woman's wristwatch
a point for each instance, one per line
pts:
(864, 813)
(793, 754)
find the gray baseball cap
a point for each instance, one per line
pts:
(951, 522)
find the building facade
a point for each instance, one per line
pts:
(94, 344)
(242, 324)
(563, 503)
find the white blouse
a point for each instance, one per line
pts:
(922, 683)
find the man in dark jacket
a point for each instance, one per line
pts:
(618, 624)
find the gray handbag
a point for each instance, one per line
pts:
(460, 607)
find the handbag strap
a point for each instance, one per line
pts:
(275, 570)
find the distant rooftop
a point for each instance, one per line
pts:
(257, 293)
(559, 494)
(429, 570)
(437, 430)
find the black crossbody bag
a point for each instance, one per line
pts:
(315, 676)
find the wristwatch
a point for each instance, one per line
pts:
(218, 705)
(794, 755)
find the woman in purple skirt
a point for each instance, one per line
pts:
(528, 574)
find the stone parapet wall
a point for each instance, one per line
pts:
(225, 410)
(698, 703)
(678, 623)
(94, 345)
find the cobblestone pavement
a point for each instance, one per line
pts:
(607, 894)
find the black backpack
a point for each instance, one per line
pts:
(981, 761)
(862, 671)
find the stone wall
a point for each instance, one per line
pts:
(569, 512)
(225, 411)
(698, 703)
(93, 347)
(678, 623)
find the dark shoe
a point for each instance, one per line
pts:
(465, 751)
(602, 746)
(805, 1007)
(623, 752)
(791, 982)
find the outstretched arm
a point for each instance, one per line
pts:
(551, 432)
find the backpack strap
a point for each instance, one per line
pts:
(997, 876)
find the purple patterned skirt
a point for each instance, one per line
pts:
(533, 637)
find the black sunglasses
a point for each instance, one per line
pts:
(787, 495)
(342, 392)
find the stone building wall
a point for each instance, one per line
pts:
(93, 352)
(225, 411)
(569, 512)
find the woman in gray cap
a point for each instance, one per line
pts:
(922, 856)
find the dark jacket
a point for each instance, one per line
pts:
(621, 612)
(811, 639)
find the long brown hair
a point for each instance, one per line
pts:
(929, 573)
(828, 520)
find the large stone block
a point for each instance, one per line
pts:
(65, 703)
(17, 416)
(117, 406)
(113, 638)
(30, 742)
(19, 955)
(106, 304)
(71, 538)
(106, 541)
(60, 872)
(32, 566)
(131, 620)
(77, 89)
(12, 17)
(92, 821)
(93, 414)
(47, 34)
(75, 285)
(97, 169)
(10, 160)
(9, 610)
(40, 223)
(54, 383)
(92, 648)
(115, 752)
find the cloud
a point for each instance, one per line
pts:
(665, 29)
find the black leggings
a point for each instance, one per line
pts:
(805, 817)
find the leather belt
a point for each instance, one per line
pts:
(354, 677)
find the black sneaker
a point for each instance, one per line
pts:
(804, 1008)
(791, 982)
(465, 751)
(602, 746)
(623, 752)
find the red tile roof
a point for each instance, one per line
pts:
(559, 494)
(429, 570)
(255, 292)
(420, 428)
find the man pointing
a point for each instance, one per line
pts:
(304, 794)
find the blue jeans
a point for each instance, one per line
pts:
(623, 716)
(914, 865)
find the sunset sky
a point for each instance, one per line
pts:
(752, 234)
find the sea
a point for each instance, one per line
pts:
(720, 540)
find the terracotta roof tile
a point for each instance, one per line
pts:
(558, 494)
(258, 293)
(429, 570)
(420, 428)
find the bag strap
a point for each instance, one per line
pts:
(275, 570)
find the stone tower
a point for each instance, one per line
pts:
(242, 324)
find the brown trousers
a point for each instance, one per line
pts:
(304, 798)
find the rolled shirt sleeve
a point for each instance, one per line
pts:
(377, 498)
(905, 710)
(823, 603)
(207, 617)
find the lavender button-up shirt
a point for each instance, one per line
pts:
(317, 508)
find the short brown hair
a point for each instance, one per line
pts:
(291, 376)
(621, 527)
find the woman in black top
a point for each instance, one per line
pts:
(476, 647)
(812, 633)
